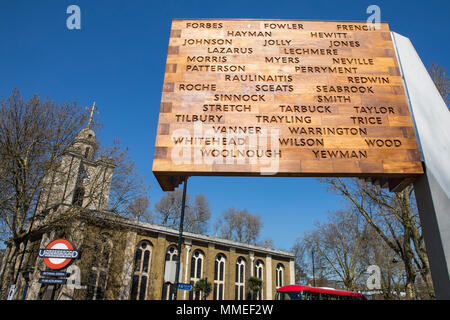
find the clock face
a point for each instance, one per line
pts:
(83, 176)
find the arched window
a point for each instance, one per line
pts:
(279, 273)
(219, 277)
(141, 271)
(78, 197)
(239, 284)
(171, 255)
(98, 276)
(196, 272)
(259, 273)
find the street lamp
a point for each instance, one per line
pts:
(180, 238)
(314, 276)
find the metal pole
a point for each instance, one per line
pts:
(314, 277)
(25, 291)
(180, 238)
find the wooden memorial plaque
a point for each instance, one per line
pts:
(283, 98)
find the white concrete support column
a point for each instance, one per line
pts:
(268, 277)
(291, 272)
(188, 249)
(432, 124)
(252, 261)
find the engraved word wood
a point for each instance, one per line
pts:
(283, 98)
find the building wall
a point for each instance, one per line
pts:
(111, 249)
(160, 243)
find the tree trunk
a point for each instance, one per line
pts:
(8, 270)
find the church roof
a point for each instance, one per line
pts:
(194, 236)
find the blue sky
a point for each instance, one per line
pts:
(118, 58)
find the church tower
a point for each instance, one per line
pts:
(79, 179)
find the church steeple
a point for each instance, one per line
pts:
(85, 142)
(94, 108)
(80, 179)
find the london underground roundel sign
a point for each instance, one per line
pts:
(58, 254)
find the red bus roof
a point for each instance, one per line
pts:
(296, 287)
